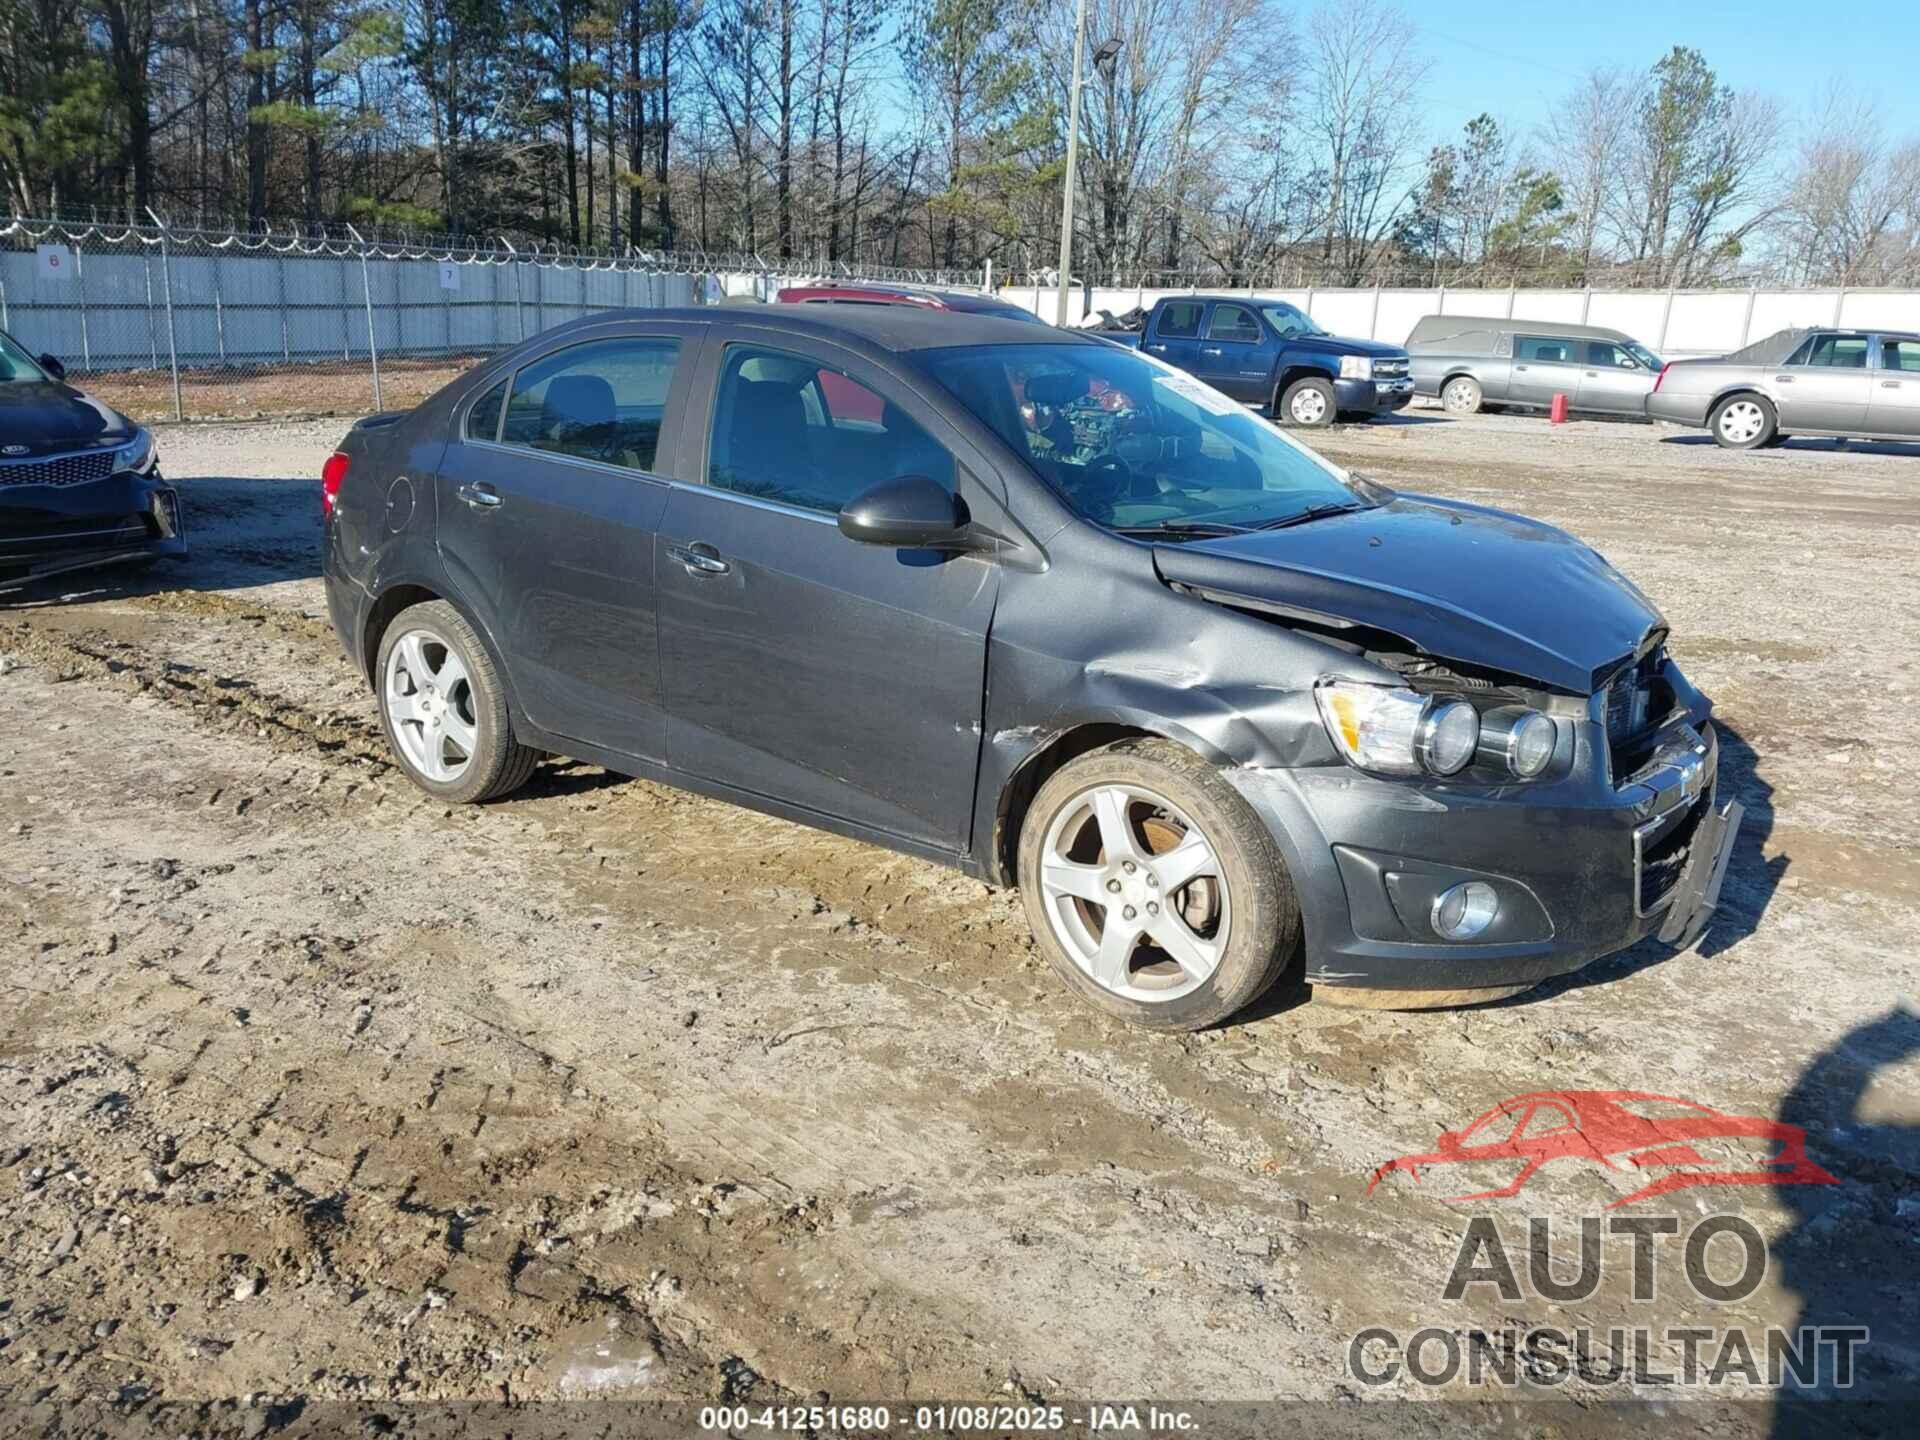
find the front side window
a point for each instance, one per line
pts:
(483, 420)
(1235, 323)
(1900, 355)
(1606, 355)
(1180, 320)
(1290, 321)
(791, 430)
(600, 401)
(1839, 352)
(1134, 444)
(1543, 350)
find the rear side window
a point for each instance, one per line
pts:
(483, 420)
(1180, 320)
(1544, 349)
(1840, 352)
(1901, 355)
(602, 401)
(1234, 322)
(1609, 356)
(790, 430)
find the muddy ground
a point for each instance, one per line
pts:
(316, 1088)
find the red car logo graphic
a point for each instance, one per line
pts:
(1622, 1130)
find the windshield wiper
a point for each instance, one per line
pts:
(1168, 529)
(1312, 512)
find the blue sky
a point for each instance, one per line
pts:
(1515, 60)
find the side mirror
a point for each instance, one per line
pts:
(908, 512)
(53, 367)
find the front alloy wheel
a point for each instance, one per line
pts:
(1153, 888)
(1134, 893)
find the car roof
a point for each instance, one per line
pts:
(880, 293)
(1440, 327)
(895, 328)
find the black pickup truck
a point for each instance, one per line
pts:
(1270, 353)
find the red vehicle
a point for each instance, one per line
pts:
(965, 302)
(1620, 1130)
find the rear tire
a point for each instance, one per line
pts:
(443, 706)
(1142, 843)
(1308, 404)
(1462, 395)
(1743, 422)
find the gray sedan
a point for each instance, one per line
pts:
(1862, 384)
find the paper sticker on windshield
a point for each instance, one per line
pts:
(1187, 388)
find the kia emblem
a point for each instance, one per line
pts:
(14, 449)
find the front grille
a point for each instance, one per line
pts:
(1661, 854)
(1391, 369)
(80, 469)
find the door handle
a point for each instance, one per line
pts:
(480, 496)
(699, 559)
(1210, 350)
(1783, 379)
(1593, 374)
(1889, 384)
(1156, 347)
(1519, 367)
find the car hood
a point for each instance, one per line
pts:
(46, 417)
(1461, 582)
(1344, 345)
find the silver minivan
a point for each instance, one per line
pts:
(1472, 363)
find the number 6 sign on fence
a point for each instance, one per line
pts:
(53, 262)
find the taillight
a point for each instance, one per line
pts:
(331, 474)
(1659, 379)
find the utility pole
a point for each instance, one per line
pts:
(1102, 56)
(1073, 154)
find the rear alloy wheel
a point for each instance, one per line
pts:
(1308, 404)
(1154, 889)
(444, 708)
(1743, 422)
(1462, 396)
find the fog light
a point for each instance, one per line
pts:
(1465, 910)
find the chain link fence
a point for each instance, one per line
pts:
(170, 323)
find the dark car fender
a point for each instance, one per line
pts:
(1237, 692)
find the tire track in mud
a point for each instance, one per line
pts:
(923, 1180)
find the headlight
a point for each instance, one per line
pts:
(1397, 732)
(1356, 367)
(137, 454)
(1392, 731)
(1520, 739)
(1448, 736)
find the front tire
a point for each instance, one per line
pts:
(1153, 889)
(444, 708)
(1309, 404)
(1743, 422)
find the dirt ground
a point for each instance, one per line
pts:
(315, 1088)
(343, 388)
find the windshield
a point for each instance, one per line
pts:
(1290, 321)
(1135, 444)
(16, 364)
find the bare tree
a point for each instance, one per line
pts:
(1585, 143)
(1362, 115)
(1851, 213)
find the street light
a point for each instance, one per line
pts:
(1102, 57)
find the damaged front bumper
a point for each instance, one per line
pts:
(1581, 867)
(48, 530)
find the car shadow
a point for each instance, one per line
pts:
(1850, 1257)
(1752, 879)
(1818, 446)
(1399, 419)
